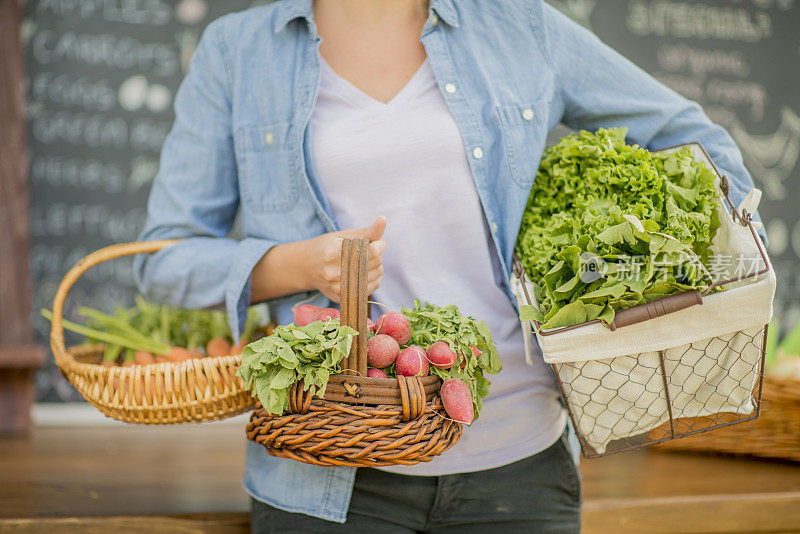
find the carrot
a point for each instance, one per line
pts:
(110, 354)
(151, 346)
(236, 350)
(142, 357)
(218, 346)
(178, 354)
(130, 357)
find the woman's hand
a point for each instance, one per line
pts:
(324, 255)
(315, 264)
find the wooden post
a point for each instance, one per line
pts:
(19, 357)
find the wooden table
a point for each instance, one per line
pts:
(187, 478)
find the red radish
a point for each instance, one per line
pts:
(328, 313)
(382, 351)
(196, 353)
(440, 355)
(394, 324)
(412, 362)
(370, 325)
(376, 373)
(218, 346)
(305, 314)
(107, 363)
(457, 400)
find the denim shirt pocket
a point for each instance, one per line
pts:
(266, 183)
(523, 130)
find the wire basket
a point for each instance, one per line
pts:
(776, 433)
(195, 390)
(677, 366)
(360, 421)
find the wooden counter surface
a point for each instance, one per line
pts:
(187, 478)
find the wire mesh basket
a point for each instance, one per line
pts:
(677, 366)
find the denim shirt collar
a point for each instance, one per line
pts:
(289, 10)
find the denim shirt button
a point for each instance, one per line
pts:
(477, 152)
(494, 227)
(450, 88)
(527, 114)
(435, 19)
(269, 138)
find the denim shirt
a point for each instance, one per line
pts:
(509, 71)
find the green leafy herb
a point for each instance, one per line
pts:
(642, 221)
(311, 353)
(430, 323)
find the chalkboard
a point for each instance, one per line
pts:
(102, 75)
(101, 79)
(741, 61)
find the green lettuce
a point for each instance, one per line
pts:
(609, 226)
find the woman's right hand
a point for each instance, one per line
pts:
(324, 258)
(316, 264)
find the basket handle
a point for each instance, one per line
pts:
(353, 301)
(95, 258)
(657, 308)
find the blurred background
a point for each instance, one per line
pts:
(102, 77)
(99, 81)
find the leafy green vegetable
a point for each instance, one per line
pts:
(609, 226)
(311, 353)
(430, 323)
(153, 328)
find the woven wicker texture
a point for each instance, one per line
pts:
(199, 389)
(351, 435)
(361, 421)
(775, 434)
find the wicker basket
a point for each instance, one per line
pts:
(776, 434)
(360, 421)
(198, 389)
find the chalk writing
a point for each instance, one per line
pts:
(150, 12)
(105, 50)
(697, 20)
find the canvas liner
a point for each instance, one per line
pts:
(614, 382)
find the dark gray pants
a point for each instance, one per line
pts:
(539, 494)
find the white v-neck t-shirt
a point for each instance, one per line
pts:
(405, 159)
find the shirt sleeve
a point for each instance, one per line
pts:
(597, 87)
(195, 196)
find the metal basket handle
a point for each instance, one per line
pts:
(95, 258)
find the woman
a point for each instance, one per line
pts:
(419, 126)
